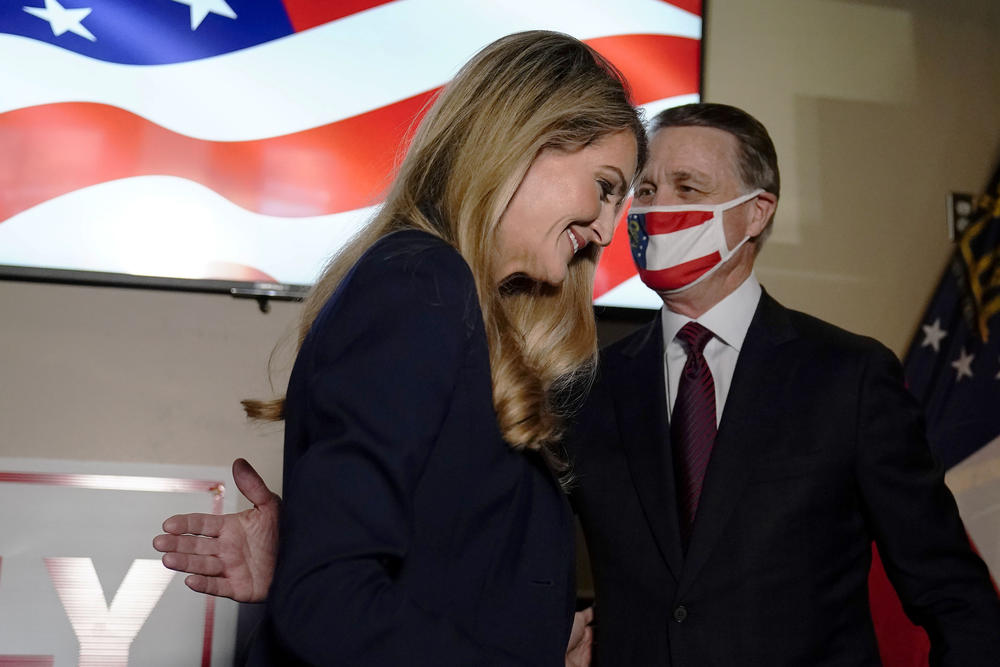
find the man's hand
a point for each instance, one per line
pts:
(580, 639)
(231, 555)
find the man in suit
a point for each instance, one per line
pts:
(733, 474)
(738, 530)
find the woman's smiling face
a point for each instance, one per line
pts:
(567, 200)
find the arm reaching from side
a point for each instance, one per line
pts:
(581, 639)
(230, 555)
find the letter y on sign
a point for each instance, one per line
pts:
(105, 632)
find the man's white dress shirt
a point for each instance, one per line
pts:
(729, 320)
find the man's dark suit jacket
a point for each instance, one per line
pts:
(411, 533)
(820, 451)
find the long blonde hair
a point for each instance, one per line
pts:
(521, 94)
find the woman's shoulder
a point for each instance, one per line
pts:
(410, 273)
(416, 249)
(415, 263)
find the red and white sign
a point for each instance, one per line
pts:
(80, 583)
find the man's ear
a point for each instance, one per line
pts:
(762, 209)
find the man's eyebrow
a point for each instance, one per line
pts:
(685, 175)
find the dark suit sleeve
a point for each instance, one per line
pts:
(382, 366)
(943, 585)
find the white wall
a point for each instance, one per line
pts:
(135, 375)
(878, 109)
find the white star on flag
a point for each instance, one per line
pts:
(62, 20)
(201, 8)
(963, 365)
(933, 334)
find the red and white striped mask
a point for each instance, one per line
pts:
(677, 247)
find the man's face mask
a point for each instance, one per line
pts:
(677, 247)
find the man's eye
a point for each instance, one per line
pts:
(643, 192)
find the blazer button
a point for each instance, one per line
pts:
(680, 613)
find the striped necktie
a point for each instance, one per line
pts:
(692, 424)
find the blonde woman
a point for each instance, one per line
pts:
(423, 520)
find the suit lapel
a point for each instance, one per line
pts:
(743, 432)
(640, 397)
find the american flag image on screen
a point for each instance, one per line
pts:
(247, 140)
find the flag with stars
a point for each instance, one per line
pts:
(953, 368)
(249, 139)
(953, 364)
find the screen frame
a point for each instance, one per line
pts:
(264, 291)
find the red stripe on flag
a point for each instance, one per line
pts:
(681, 274)
(337, 167)
(656, 66)
(900, 642)
(333, 168)
(693, 6)
(616, 265)
(305, 14)
(666, 223)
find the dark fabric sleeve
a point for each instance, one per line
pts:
(382, 367)
(943, 585)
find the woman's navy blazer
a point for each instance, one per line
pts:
(411, 533)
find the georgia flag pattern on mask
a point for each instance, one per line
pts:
(676, 247)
